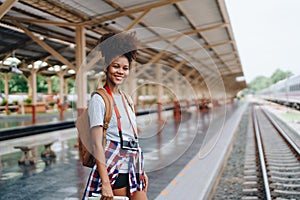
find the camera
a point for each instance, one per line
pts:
(130, 145)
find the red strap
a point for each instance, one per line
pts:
(133, 129)
(118, 113)
(115, 108)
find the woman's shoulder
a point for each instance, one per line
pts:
(96, 98)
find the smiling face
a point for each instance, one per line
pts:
(117, 71)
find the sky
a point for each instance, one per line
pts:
(267, 34)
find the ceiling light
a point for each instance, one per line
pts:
(11, 61)
(38, 64)
(71, 71)
(64, 67)
(56, 68)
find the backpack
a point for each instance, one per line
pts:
(83, 127)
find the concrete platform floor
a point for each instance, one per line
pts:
(168, 148)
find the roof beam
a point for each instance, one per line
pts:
(45, 57)
(40, 21)
(150, 53)
(219, 55)
(176, 67)
(12, 48)
(209, 46)
(97, 57)
(193, 71)
(121, 9)
(137, 20)
(225, 61)
(202, 29)
(179, 7)
(6, 6)
(161, 53)
(128, 12)
(205, 29)
(55, 8)
(43, 44)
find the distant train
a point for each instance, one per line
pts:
(285, 92)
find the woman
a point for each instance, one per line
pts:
(119, 167)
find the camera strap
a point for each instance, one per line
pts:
(133, 129)
(118, 113)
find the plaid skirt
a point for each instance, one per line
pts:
(115, 156)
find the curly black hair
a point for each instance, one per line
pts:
(113, 45)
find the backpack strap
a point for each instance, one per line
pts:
(108, 110)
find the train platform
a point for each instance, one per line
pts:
(196, 180)
(288, 115)
(177, 157)
(19, 120)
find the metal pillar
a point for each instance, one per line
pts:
(34, 95)
(6, 78)
(177, 109)
(61, 95)
(159, 93)
(29, 84)
(81, 77)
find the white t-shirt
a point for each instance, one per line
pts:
(96, 112)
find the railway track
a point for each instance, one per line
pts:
(272, 161)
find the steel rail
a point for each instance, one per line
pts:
(282, 132)
(261, 156)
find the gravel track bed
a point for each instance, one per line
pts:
(231, 183)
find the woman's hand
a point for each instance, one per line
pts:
(107, 193)
(99, 154)
(146, 181)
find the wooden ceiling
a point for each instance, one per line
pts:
(191, 37)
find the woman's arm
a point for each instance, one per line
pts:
(146, 180)
(97, 135)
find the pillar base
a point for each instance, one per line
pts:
(33, 113)
(159, 111)
(177, 112)
(61, 112)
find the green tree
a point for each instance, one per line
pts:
(71, 86)
(280, 75)
(42, 85)
(17, 84)
(1, 86)
(55, 84)
(260, 83)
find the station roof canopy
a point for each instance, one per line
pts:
(45, 30)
